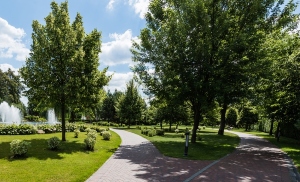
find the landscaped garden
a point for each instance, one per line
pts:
(72, 161)
(209, 146)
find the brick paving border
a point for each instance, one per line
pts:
(137, 160)
(255, 159)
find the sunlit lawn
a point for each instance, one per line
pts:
(211, 147)
(288, 145)
(70, 163)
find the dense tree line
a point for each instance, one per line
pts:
(204, 52)
(215, 62)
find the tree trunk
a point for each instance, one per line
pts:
(222, 125)
(72, 116)
(197, 113)
(63, 122)
(277, 133)
(272, 126)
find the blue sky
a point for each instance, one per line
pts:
(120, 22)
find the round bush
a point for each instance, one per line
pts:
(53, 143)
(19, 148)
(106, 135)
(160, 132)
(92, 134)
(90, 143)
(76, 133)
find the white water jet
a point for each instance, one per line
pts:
(9, 114)
(51, 118)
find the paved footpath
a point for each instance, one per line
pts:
(138, 160)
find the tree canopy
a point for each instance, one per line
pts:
(11, 87)
(62, 68)
(203, 51)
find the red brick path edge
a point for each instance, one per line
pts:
(138, 160)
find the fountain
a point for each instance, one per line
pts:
(51, 118)
(9, 114)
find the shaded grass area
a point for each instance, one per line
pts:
(288, 145)
(71, 162)
(211, 147)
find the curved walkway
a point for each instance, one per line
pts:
(138, 160)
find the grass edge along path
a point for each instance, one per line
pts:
(288, 145)
(211, 147)
(69, 163)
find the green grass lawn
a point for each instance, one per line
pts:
(211, 147)
(288, 145)
(70, 163)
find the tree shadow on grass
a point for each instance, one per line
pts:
(39, 149)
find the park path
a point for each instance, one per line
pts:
(255, 159)
(138, 160)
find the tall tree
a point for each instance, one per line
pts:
(130, 105)
(108, 108)
(196, 48)
(11, 87)
(248, 117)
(62, 69)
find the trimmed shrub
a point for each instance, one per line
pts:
(50, 128)
(70, 127)
(106, 135)
(19, 148)
(102, 129)
(146, 131)
(90, 143)
(82, 127)
(22, 129)
(92, 133)
(76, 133)
(151, 133)
(160, 132)
(53, 143)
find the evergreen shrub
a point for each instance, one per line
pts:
(53, 143)
(19, 148)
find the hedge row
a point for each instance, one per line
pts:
(27, 129)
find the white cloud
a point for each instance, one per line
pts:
(118, 81)
(5, 67)
(110, 5)
(11, 42)
(117, 51)
(140, 7)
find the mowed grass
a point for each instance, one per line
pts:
(70, 163)
(211, 147)
(288, 145)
